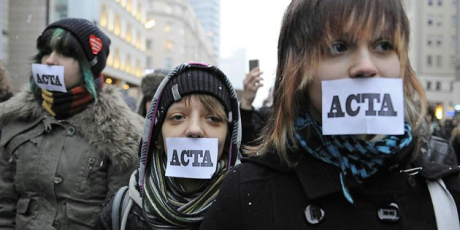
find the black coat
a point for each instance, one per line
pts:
(261, 193)
(252, 123)
(136, 220)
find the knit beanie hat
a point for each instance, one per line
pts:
(94, 42)
(192, 79)
(186, 79)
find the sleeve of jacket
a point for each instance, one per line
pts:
(104, 221)
(252, 123)
(225, 212)
(440, 151)
(135, 217)
(247, 126)
(8, 194)
(118, 179)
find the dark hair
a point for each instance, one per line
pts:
(65, 43)
(149, 86)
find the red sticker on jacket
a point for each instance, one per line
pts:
(95, 43)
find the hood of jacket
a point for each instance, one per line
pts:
(108, 124)
(152, 122)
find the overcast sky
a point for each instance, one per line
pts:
(253, 25)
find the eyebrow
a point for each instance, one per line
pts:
(353, 37)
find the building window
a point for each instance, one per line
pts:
(178, 10)
(439, 40)
(439, 2)
(103, 20)
(139, 12)
(129, 6)
(429, 40)
(168, 28)
(429, 61)
(128, 68)
(454, 2)
(181, 31)
(438, 85)
(430, 2)
(138, 40)
(428, 85)
(148, 62)
(110, 59)
(61, 9)
(169, 63)
(169, 45)
(454, 21)
(430, 20)
(453, 60)
(439, 22)
(110, 20)
(138, 68)
(116, 63)
(129, 36)
(117, 25)
(148, 44)
(168, 9)
(439, 61)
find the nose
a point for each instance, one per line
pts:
(363, 65)
(194, 129)
(51, 59)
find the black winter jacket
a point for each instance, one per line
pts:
(264, 194)
(252, 123)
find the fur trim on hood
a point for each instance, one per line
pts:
(108, 125)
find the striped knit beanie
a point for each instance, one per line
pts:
(94, 42)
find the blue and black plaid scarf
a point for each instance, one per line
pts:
(358, 159)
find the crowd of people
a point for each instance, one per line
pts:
(193, 156)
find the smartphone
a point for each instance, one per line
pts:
(253, 64)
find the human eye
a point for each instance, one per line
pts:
(383, 46)
(176, 117)
(214, 118)
(338, 47)
(67, 54)
(46, 51)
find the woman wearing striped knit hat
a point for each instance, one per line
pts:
(191, 139)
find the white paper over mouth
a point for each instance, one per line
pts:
(363, 106)
(49, 77)
(191, 157)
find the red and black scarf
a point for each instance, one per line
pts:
(63, 105)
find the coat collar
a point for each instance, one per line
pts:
(108, 124)
(320, 179)
(317, 178)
